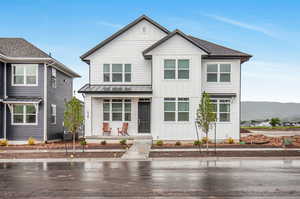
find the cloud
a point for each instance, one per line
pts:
(108, 24)
(241, 24)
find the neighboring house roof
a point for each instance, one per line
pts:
(124, 29)
(213, 50)
(116, 89)
(19, 49)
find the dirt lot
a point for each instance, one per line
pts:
(224, 154)
(60, 155)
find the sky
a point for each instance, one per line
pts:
(268, 30)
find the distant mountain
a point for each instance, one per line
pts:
(267, 110)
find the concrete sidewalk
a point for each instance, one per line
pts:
(226, 149)
(61, 150)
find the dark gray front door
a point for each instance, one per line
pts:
(144, 117)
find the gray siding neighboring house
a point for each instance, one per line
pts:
(19, 51)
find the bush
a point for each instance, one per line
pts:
(123, 142)
(3, 142)
(31, 141)
(197, 142)
(159, 143)
(242, 142)
(230, 140)
(82, 142)
(178, 143)
(103, 142)
(205, 140)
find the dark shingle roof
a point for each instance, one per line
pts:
(116, 89)
(18, 47)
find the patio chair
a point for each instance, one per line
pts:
(106, 129)
(123, 130)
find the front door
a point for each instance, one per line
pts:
(144, 117)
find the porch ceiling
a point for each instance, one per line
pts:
(123, 89)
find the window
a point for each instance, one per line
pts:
(117, 72)
(169, 68)
(106, 73)
(53, 113)
(176, 71)
(221, 107)
(218, 72)
(24, 75)
(117, 110)
(183, 109)
(24, 114)
(53, 77)
(179, 114)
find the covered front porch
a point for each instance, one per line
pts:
(109, 111)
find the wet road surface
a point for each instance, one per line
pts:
(247, 179)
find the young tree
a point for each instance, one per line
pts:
(73, 117)
(275, 121)
(205, 115)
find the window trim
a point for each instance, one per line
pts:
(177, 69)
(24, 115)
(111, 73)
(176, 109)
(25, 75)
(123, 112)
(218, 109)
(51, 113)
(218, 72)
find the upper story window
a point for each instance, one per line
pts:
(53, 77)
(221, 107)
(24, 74)
(117, 72)
(176, 69)
(218, 73)
(24, 114)
(176, 109)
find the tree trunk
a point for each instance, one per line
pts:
(74, 142)
(207, 142)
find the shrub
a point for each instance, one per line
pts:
(159, 143)
(205, 140)
(31, 141)
(3, 142)
(230, 140)
(103, 142)
(123, 142)
(178, 143)
(82, 142)
(242, 142)
(197, 142)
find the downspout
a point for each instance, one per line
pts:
(5, 96)
(45, 102)
(240, 101)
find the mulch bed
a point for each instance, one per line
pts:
(61, 155)
(62, 145)
(224, 154)
(212, 146)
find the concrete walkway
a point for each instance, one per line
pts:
(139, 150)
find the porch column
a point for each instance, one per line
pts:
(88, 115)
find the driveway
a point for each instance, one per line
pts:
(247, 179)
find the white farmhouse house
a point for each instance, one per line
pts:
(153, 79)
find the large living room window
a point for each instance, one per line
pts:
(221, 107)
(176, 109)
(117, 110)
(117, 72)
(176, 69)
(218, 73)
(24, 114)
(24, 74)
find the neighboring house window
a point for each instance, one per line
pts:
(24, 75)
(117, 72)
(24, 114)
(221, 107)
(117, 110)
(176, 69)
(53, 114)
(179, 114)
(53, 77)
(218, 72)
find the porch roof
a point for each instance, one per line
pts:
(142, 89)
(22, 100)
(221, 95)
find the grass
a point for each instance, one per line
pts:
(275, 127)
